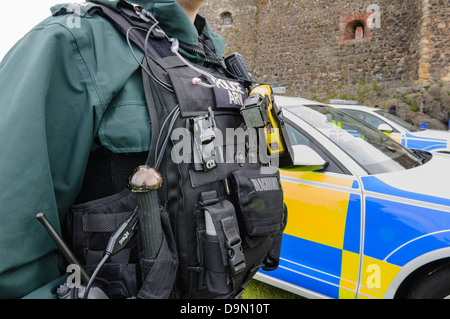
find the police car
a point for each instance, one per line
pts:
(401, 131)
(372, 220)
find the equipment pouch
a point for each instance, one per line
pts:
(117, 280)
(260, 199)
(192, 98)
(89, 227)
(220, 93)
(221, 247)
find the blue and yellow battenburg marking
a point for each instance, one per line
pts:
(421, 143)
(321, 242)
(321, 248)
(400, 226)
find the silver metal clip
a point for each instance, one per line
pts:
(140, 12)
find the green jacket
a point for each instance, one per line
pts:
(63, 87)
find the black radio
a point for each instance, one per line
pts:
(236, 65)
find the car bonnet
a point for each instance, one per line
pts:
(436, 134)
(429, 182)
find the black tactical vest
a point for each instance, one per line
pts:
(222, 210)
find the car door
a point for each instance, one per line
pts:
(321, 243)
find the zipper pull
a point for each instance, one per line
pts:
(175, 45)
(144, 14)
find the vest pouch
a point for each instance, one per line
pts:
(89, 227)
(260, 199)
(192, 98)
(117, 280)
(273, 257)
(219, 93)
(220, 246)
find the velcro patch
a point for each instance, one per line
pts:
(262, 184)
(228, 93)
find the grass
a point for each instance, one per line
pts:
(259, 290)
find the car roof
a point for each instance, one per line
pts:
(298, 104)
(292, 100)
(354, 107)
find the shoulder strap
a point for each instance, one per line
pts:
(130, 18)
(137, 29)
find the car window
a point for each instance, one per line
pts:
(370, 119)
(398, 121)
(371, 149)
(299, 137)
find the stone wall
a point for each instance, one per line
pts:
(435, 41)
(241, 34)
(366, 50)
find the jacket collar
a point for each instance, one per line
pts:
(175, 22)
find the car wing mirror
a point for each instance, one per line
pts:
(306, 159)
(385, 128)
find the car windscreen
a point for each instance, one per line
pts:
(397, 120)
(373, 150)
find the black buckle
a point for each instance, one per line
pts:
(236, 258)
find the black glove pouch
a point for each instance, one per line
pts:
(261, 206)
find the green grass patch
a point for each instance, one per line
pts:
(259, 290)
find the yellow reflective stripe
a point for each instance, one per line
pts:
(337, 123)
(320, 178)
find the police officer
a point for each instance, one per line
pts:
(68, 89)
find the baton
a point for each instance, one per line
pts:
(144, 181)
(65, 250)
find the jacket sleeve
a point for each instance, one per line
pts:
(47, 124)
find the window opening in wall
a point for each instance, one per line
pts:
(359, 33)
(226, 18)
(355, 30)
